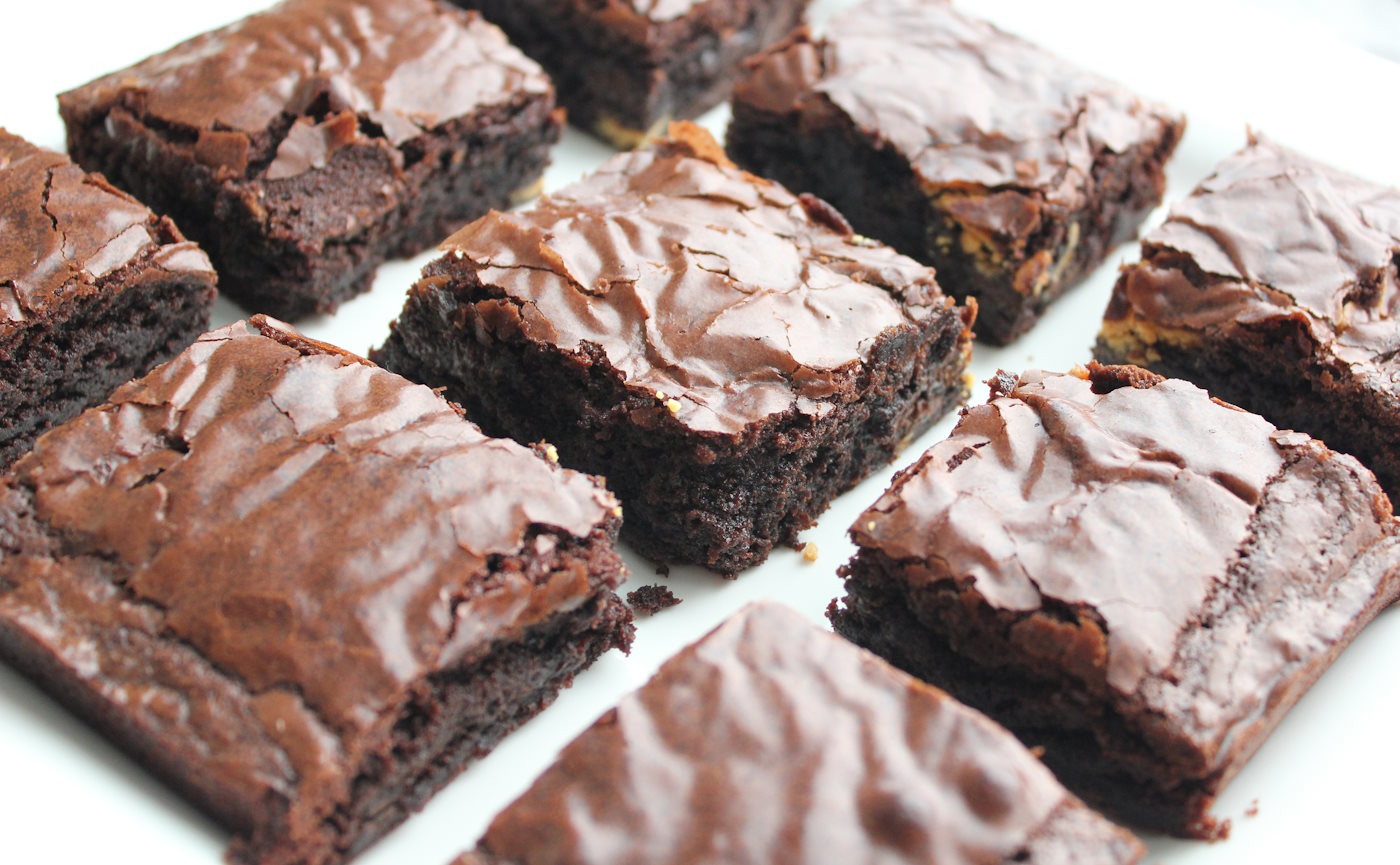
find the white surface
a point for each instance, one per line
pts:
(1325, 783)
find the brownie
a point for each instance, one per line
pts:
(626, 68)
(304, 145)
(729, 355)
(1006, 168)
(1276, 286)
(770, 741)
(302, 590)
(94, 289)
(1136, 577)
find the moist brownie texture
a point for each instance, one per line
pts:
(94, 289)
(301, 589)
(730, 356)
(625, 68)
(1134, 576)
(1276, 286)
(304, 145)
(1009, 170)
(771, 742)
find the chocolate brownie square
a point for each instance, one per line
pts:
(94, 289)
(304, 145)
(1127, 573)
(627, 68)
(1008, 169)
(1276, 286)
(770, 741)
(302, 590)
(729, 355)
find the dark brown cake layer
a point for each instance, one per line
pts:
(304, 145)
(1135, 577)
(625, 68)
(299, 588)
(1276, 286)
(94, 289)
(1009, 170)
(730, 356)
(770, 742)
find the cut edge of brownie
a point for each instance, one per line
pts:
(626, 91)
(1014, 279)
(715, 505)
(1120, 753)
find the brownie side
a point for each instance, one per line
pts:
(312, 692)
(625, 74)
(1013, 225)
(298, 208)
(719, 501)
(1318, 561)
(1308, 339)
(771, 735)
(94, 290)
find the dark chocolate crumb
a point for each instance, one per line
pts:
(663, 570)
(651, 599)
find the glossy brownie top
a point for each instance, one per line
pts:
(771, 741)
(62, 231)
(720, 296)
(1135, 501)
(963, 102)
(301, 534)
(345, 69)
(1273, 234)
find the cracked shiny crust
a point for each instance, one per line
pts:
(285, 542)
(720, 296)
(1209, 268)
(1176, 571)
(342, 72)
(63, 230)
(770, 741)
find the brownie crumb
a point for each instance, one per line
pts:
(651, 599)
(663, 570)
(1253, 809)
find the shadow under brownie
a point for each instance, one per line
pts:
(771, 742)
(1008, 169)
(627, 68)
(304, 145)
(303, 591)
(730, 356)
(1276, 286)
(1127, 573)
(94, 289)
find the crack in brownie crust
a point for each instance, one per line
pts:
(1009, 170)
(727, 354)
(306, 144)
(94, 289)
(1137, 578)
(303, 590)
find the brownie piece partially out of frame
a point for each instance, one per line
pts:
(302, 590)
(1009, 170)
(770, 741)
(94, 289)
(626, 68)
(1127, 573)
(304, 145)
(730, 356)
(1276, 286)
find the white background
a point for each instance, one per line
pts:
(1325, 783)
